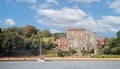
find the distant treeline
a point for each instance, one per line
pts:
(17, 41)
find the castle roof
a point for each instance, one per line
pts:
(76, 29)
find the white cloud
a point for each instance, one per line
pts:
(70, 17)
(111, 20)
(115, 5)
(29, 1)
(64, 14)
(61, 17)
(85, 1)
(52, 1)
(109, 23)
(10, 22)
(39, 6)
(114, 30)
(55, 31)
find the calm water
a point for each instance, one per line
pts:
(60, 65)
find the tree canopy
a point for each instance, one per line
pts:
(24, 40)
(113, 45)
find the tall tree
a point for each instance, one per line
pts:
(1, 42)
(114, 44)
(118, 39)
(1, 37)
(12, 42)
(118, 34)
(15, 29)
(58, 35)
(29, 30)
(46, 33)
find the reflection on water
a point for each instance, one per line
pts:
(60, 65)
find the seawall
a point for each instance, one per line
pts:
(52, 59)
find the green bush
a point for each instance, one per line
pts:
(60, 53)
(115, 50)
(84, 52)
(90, 51)
(106, 56)
(106, 50)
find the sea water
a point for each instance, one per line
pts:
(60, 65)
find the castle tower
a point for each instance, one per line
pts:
(76, 38)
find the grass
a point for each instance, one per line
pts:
(106, 56)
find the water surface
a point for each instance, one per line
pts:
(60, 65)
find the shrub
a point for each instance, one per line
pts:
(106, 56)
(60, 53)
(115, 50)
(106, 50)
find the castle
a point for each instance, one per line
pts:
(77, 39)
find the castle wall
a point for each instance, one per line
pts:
(78, 39)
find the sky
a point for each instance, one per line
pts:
(100, 16)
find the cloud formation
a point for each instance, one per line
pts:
(115, 5)
(68, 17)
(10, 22)
(61, 17)
(55, 31)
(76, 17)
(109, 23)
(85, 1)
(52, 1)
(29, 1)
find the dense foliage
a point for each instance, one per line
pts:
(106, 56)
(61, 53)
(113, 46)
(58, 35)
(24, 41)
(84, 52)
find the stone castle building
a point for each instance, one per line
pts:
(78, 39)
(62, 44)
(102, 41)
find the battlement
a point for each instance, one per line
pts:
(75, 29)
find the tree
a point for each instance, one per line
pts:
(49, 45)
(1, 42)
(115, 41)
(46, 33)
(23, 40)
(58, 35)
(106, 50)
(118, 34)
(118, 39)
(15, 29)
(60, 53)
(115, 50)
(112, 43)
(27, 43)
(113, 46)
(1, 37)
(12, 41)
(35, 46)
(29, 30)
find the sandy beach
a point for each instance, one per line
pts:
(52, 59)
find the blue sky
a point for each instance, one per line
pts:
(102, 16)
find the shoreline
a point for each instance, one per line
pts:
(53, 59)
